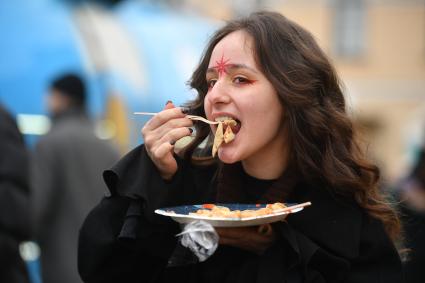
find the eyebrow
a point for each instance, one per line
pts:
(232, 67)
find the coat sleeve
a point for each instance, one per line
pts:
(107, 253)
(304, 260)
(122, 239)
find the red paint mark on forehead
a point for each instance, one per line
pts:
(221, 65)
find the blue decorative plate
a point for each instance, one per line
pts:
(182, 214)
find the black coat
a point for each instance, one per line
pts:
(14, 200)
(122, 240)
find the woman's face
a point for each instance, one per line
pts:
(238, 89)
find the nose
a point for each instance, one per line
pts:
(218, 94)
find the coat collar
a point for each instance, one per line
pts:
(230, 185)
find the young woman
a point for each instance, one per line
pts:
(293, 143)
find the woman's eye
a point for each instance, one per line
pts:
(211, 83)
(241, 80)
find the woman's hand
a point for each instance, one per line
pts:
(256, 239)
(160, 134)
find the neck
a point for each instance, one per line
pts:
(268, 166)
(271, 161)
(70, 112)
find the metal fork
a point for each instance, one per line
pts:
(191, 117)
(202, 119)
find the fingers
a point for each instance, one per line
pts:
(162, 150)
(240, 234)
(255, 239)
(169, 104)
(172, 131)
(255, 243)
(232, 236)
(265, 229)
(235, 233)
(163, 117)
(168, 125)
(228, 241)
(174, 124)
(171, 136)
(160, 133)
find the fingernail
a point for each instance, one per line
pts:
(190, 130)
(168, 101)
(172, 142)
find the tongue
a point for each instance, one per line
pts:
(236, 128)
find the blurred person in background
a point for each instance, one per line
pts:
(411, 194)
(14, 200)
(66, 182)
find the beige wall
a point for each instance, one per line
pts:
(391, 81)
(386, 86)
(315, 16)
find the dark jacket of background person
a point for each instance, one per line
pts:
(14, 200)
(123, 240)
(66, 169)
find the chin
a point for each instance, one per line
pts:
(228, 156)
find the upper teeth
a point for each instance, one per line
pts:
(223, 118)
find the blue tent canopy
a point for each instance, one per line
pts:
(39, 41)
(170, 44)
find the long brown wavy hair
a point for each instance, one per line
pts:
(320, 133)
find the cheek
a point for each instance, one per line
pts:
(207, 107)
(265, 122)
(53, 103)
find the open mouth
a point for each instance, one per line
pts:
(233, 123)
(226, 131)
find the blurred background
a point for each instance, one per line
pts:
(138, 54)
